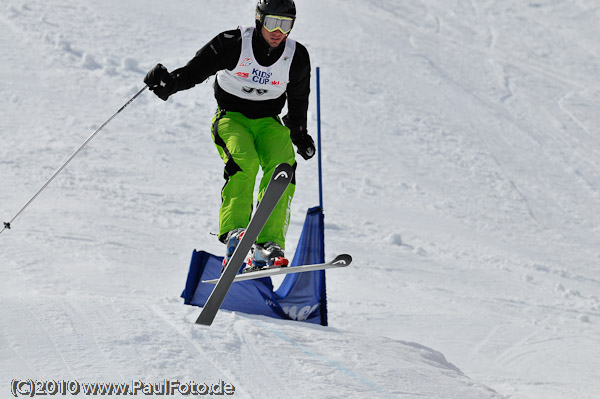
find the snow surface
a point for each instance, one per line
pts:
(461, 170)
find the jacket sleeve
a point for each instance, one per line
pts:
(298, 88)
(222, 52)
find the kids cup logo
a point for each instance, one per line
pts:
(261, 77)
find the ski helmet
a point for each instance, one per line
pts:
(281, 8)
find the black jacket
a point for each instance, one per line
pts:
(223, 52)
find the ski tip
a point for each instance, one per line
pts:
(283, 171)
(284, 166)
(342, 260)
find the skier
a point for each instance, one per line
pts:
(257, 69)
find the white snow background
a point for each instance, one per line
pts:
(461, 170)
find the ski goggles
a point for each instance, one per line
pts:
(274, 22)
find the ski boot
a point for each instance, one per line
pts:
(231, 241)
(265, 256)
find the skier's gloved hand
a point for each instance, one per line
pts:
(160, 81)
(300, 138)
(304, 143)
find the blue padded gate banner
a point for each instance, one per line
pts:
(301, 296)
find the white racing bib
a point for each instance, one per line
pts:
(252, 81)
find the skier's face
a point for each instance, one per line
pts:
(273, 38)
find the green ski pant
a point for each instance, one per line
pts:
(246, 144)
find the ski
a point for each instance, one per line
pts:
(282, 176)
(339, 261)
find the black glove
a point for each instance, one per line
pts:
(301, 139)
(160, 81)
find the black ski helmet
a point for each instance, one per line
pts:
(281, 8)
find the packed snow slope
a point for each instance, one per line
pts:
(461, 170)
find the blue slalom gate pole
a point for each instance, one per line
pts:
(319, 137)
(321, 273)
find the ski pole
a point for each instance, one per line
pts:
(7, 225)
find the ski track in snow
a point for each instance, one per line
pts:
(461, 170)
